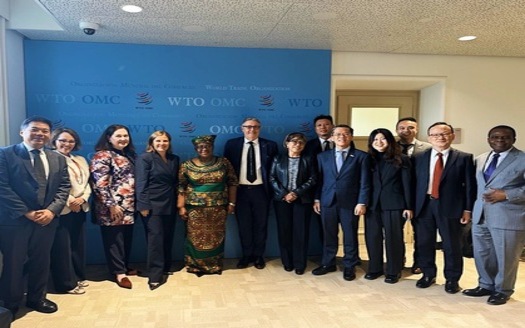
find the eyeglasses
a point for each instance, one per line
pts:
(66, 141)
(255, 127)
(342, 135)
(204, 147)
(439, 135)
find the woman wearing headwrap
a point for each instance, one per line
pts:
(207, 191)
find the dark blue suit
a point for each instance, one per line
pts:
(339, 193)
(252, 201)
(26, 245)
(156, 190)
(457, 193)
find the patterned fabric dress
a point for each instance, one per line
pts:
(206, 192)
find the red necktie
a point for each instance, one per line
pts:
(438, 170)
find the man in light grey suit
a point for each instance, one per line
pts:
(498, 225)
(406, 129)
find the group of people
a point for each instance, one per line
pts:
(45, 193)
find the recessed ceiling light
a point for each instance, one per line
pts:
(467, 38)
(131, 8)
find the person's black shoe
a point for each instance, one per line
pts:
(299, 271)
(43, 306)
(425, 282)
(154, 285)
(259, 263)
(349, 274)
(392, 278)
(452, 287)
(288, 268)
(477, 292)
(13, 309)
(373, 275)
(498, 299)
(243, 262)
(322, 270)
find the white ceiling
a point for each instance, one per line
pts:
(385, 26)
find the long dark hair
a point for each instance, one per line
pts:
(393, 151)
(104, 144)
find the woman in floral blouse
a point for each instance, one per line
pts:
(113, 183)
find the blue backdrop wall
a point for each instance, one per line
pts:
(186, 91)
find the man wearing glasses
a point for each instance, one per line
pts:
(251, 157)
(445, 195)
(341, 197)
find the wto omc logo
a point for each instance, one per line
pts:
(305, 127)
(187, 127)
(266, 100)
(144, 98)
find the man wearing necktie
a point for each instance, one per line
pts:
(34, 187)
(498, 218)
(407, 129)
(251, 158)
(445, 194)
(342, 194)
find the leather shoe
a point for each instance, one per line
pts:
(498, 299)
(452, 287)
(416, 270)
(392, 278)
(288, 268)
(154, 285)
(259, 263)
(477, 292)
(425, 282)
(373, 275)
(324, 269)
(243, 262)
(43, 306)
(299, 271)
(349, 274)
(125, 283)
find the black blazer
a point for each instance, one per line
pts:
(392, 186)
(156, 183)
(306, 178)
(19, 187)
(268, 150)
(457, 189)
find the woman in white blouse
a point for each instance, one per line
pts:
(68, 253)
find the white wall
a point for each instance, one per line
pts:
(479, 92)
(16, 84)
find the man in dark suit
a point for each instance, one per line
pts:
(498, 224)
(445, 194)
(323, 125)
(251, 157)
(34, 186)
(341, 197)
(407, 129)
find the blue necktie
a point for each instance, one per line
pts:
(339, 159)
(491, 168)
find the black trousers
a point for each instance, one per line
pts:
(450, 230)
(159, 230)
(26, 251)
(117, 242)
(387, 226)
(68, 252)
(252, 218)
(293, 226)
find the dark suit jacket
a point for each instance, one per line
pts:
(392, 186)
(306, 178)
(19, 187)
(349, 187)
(457, 190)
(268, 150)
(156, 183)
